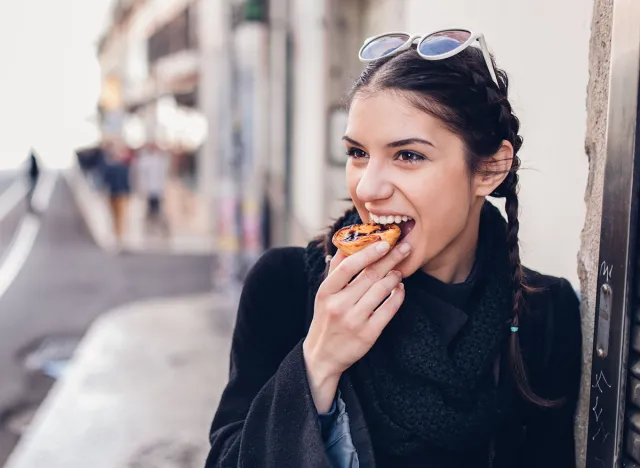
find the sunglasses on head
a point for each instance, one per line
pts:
(435, 46)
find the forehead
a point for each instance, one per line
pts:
(385, 116)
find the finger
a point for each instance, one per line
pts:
(351, 266)
(336, 260)
(383, 315)
(378, 270)
(376, 295)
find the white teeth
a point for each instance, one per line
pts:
(388, 219)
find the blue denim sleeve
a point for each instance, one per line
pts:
(336, 435)
(328, 420)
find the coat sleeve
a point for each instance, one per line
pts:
(549, 440)
(266, 416)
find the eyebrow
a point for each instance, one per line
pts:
(394, 144)
(409, 141)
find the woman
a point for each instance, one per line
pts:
(441, 352)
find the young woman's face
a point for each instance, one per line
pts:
(404, 162)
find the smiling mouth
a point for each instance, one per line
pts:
(405, 223)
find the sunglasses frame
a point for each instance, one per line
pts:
(423, 37)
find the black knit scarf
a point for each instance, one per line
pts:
(419, 395)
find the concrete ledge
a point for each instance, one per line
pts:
(94, 211)
(140, 392)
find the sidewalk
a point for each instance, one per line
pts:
(186, 215)
(140, 392)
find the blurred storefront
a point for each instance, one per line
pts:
(150, 63)
(192, 75)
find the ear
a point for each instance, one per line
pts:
(493, 170)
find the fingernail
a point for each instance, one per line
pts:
(397, 273)
(404, 248)
(401, 286)
(382, 246)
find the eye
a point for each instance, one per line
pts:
(410, 156)
(356, 153)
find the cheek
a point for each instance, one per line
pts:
(443, 206)
(352, 178)
(436, 207)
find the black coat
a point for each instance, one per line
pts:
(267, 418)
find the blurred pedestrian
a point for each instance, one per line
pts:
(33, 175)
(96, 173)
(151, 168)
(128, 155)
(116, 181)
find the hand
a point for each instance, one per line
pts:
(349, 316)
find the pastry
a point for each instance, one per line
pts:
(352, 239)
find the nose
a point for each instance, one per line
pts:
(373, 184)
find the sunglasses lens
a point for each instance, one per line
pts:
(383, 46)
(443, 42)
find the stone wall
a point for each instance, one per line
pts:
(597, 100)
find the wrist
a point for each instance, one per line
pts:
(323, 380)
(320, 368)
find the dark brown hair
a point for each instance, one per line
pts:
(459, 92)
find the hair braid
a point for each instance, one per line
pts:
(509, 125)
(516, 360)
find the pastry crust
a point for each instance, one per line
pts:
(352, 239)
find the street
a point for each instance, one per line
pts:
(56, 286)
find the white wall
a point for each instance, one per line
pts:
(382, 15)
(543, 45)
